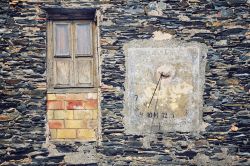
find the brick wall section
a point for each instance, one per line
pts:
(72, 116)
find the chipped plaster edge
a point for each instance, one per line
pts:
(151, 43)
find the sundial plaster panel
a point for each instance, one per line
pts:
(164, 86)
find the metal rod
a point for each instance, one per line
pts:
(154, 91)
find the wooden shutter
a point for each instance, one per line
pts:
(83, 50)
(84, 39)
(71, 60)
(62, 59)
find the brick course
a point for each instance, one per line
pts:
(56, 124)
(66, 134)
(74, 105)
(86, 134)
(55, 105)
(73, 113)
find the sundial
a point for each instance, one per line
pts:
(164, 86)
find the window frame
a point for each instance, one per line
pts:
(51, 88)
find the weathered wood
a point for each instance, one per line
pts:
(63, 70)
(83, 39)
(70, 13)
(72, 55)
(62, 39)
(50, 54)
(84, 74)
(71, 89)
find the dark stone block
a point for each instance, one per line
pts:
(135, 144)
(14, 157)
(244, 123)
(232, 31)
(113, 151)
(227, 13)
(165, 157)
(56, 159)
(189, 153)
(65, 148)
(236, 2)
(5, 135)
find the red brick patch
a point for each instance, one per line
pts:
(4, 117)
(55, 105)
(91, 104)
(56, 124)
(74, 105)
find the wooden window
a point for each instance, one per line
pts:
(71, 55)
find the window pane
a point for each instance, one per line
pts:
(84, 38)
(62, 39)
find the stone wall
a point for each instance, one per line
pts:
(220, 24)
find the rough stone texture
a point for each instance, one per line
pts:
(222, 25)
(164, 86)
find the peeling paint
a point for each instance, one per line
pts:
(164, 83)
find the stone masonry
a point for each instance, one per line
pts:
(33, 122)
